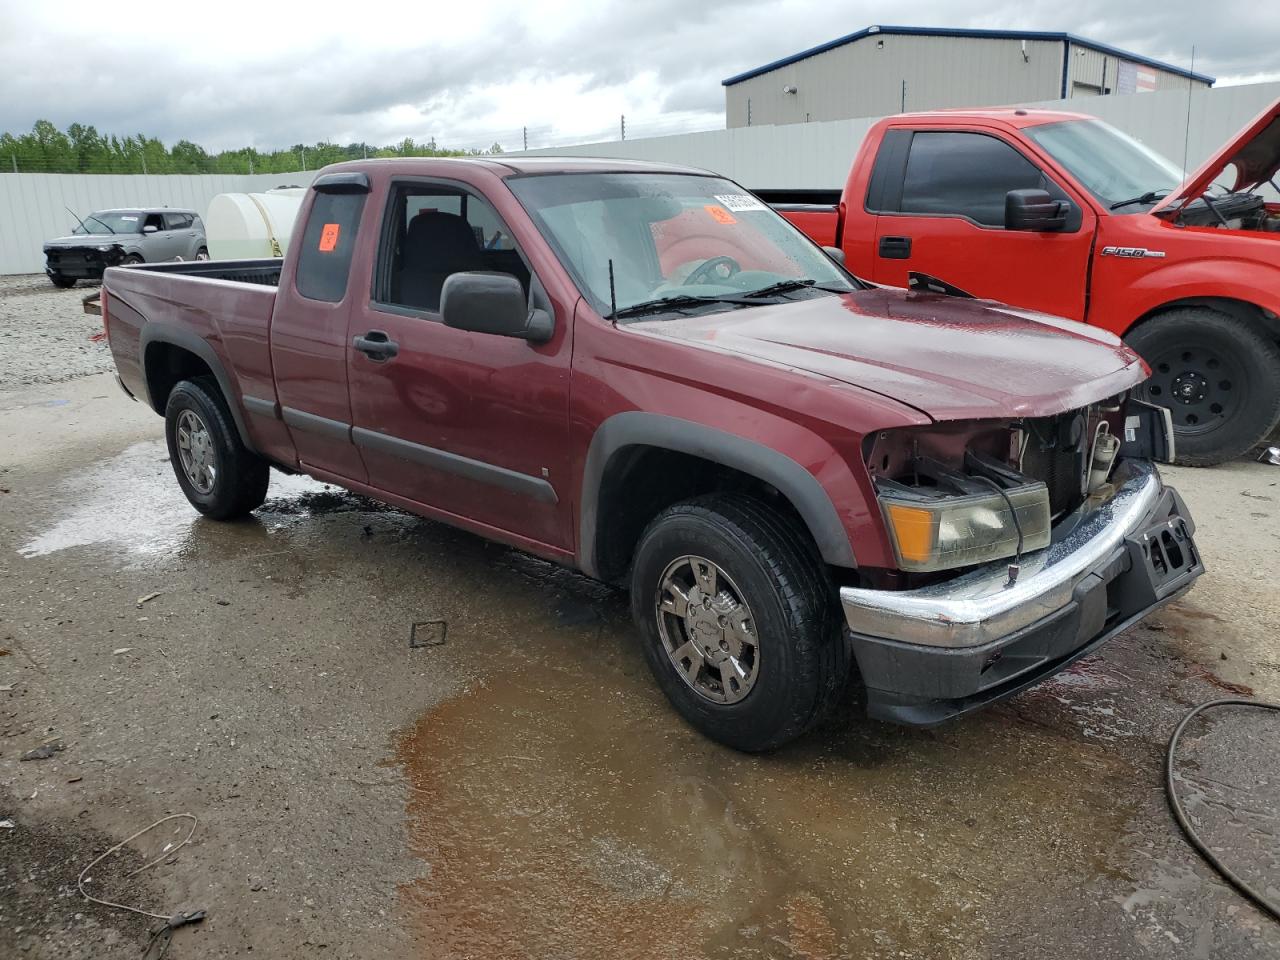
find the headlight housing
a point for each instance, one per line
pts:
(956, 520)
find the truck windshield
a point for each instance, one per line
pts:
(1111, 165)
(111, 221)
(700, 242)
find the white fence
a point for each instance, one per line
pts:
(817, 155)
(33, 206)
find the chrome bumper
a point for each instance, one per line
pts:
(980, 607)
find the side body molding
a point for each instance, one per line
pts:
(793, 481)
(157, 333)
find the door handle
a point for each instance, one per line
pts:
(376, 345)
(895, 248)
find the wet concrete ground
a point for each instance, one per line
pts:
(522, 790)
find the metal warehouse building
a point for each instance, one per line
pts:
(883, 70)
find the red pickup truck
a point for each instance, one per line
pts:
(644, 373)
(1063, 213)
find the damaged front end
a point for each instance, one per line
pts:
(1022, 545)
(959, 494)
(85, 261)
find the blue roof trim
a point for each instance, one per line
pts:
(975, 33)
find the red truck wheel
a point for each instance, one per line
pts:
(739, 620)
(221, 478)
(1219, 377)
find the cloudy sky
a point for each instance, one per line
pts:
(228, 74)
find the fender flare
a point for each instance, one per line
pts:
(793, 481)
(186, 340)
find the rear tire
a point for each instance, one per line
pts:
(783, 657)
(1219, 377)
(202, 253)
(220, 477)
(61, 282)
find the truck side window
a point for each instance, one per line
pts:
(435, 231)
(965, 175)
(327, 245)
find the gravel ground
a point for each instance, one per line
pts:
(522, 790)
(44, 332)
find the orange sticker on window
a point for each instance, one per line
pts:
(720, 214)
(329, 237)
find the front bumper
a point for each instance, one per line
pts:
(81, 263)
(930, 654)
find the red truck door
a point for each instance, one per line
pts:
(309, 331)
(939, 199)
(472, 425)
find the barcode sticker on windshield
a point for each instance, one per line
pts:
(738, 202)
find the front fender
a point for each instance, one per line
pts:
(751, 456)
(1231, 278)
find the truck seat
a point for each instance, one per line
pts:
(435, 245)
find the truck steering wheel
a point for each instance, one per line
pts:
(702, 273)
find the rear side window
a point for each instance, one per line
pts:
(177, 221)
(964, 175)
(324, 259)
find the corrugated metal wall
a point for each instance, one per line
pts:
(864, 79)
(817, 155)
(33, 206)
(1090, 69)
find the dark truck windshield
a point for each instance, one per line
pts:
(688, 239)
(111, 221)
(1111, 165)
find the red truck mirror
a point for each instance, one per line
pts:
(1034, 210)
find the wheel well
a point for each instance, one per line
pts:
(640, 481)
(166, 365)
(1242, 310)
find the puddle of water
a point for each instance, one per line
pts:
(561, 810)
(133, 503)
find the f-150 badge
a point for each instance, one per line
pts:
(1131, 253)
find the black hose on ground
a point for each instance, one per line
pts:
(1180, 815)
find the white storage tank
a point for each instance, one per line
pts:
(249, 226)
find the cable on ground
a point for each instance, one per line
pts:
(1179, 814)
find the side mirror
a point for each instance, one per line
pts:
(150, 228)
(492, 303)
(1034, 210)
(835, 253)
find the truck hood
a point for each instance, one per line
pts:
(86, 240)
(950, 358)
(1254, 152)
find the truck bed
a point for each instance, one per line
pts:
(815, 212)
(219, 306)
(265, 272)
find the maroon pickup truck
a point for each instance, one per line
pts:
(644, 373)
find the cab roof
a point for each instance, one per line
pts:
(509, 166)
(1018, 117)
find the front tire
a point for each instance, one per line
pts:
(132, 260)
(220, 477)
(739, 621)
(1219, 377)
(61, 282)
